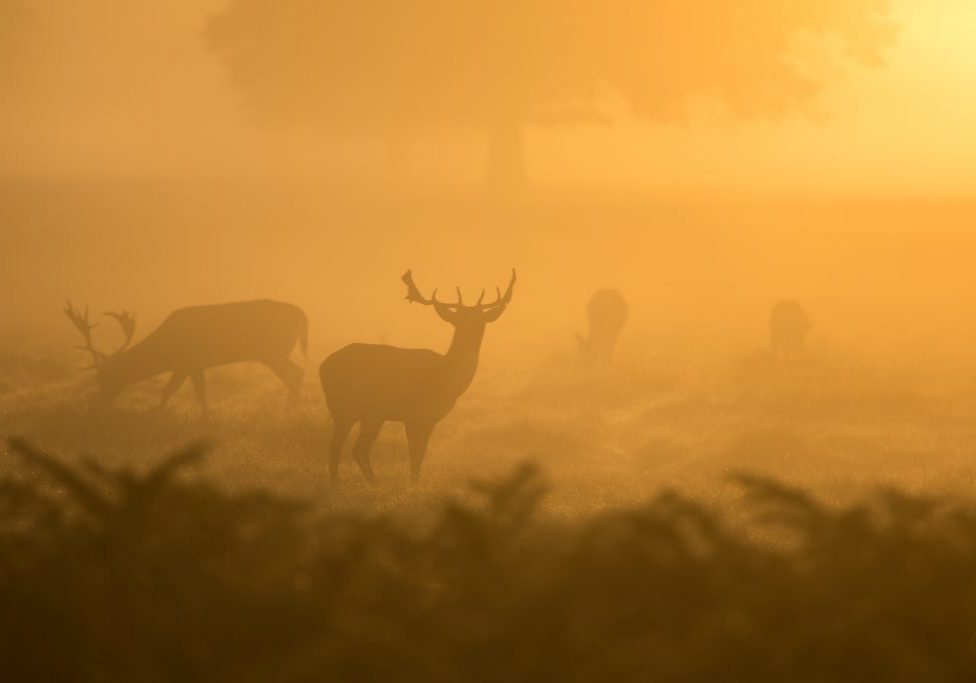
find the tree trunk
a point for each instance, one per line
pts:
(506, 155)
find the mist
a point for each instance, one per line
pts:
(508, 341)
(112, 90)
(129, 153)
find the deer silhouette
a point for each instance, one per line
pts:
(788, 329)
(372, 383)
(196, 338)
(607, 314)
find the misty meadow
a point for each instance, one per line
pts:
(487, 341)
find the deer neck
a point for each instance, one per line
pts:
(134, 364)
(462, 359)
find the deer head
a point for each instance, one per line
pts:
(459, 315)
(125, 319)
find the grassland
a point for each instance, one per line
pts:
(754, 523)
(698, 512)
(604, 438)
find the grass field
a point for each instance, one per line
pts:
(604, 438)
(751, 523)
(697, 511)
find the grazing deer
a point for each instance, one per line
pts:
(788, 329)
(373, 383)
(193, 339)
(607, 313)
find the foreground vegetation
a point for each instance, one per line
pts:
(642, 552)
(109, 575)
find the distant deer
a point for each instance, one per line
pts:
(788, 329)
(607, 313)
(372, 383)
(193, 339)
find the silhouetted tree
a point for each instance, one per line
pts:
(394, 68)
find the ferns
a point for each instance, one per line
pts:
(107, 575)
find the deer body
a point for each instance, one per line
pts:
(607, 315)
(372, 384)
(370, 381)
(191, 340)
(788, 329)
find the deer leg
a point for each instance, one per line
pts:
(175, 382)
(340, 431)
(418, 435)
(368, 431)
(200, 388)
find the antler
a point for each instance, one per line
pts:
(500, 300)
(82, 324)
(127, 321)
(414, 295)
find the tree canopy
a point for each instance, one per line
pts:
(392, 67)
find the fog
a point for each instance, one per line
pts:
(113, 89)
(135, 175)
(883, 280)
(721, 484)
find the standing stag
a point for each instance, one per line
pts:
(193, 339)
(607, 313)
(373, 383)
(788, 329)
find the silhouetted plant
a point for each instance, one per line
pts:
(109, 575)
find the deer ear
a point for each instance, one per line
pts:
(445, 313)
(494, 314)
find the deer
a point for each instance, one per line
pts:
(789, 326)
(607, 314)
(191, 340)
(371, 384)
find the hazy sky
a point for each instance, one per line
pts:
(127, 88)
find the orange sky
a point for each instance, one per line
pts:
(137, 94)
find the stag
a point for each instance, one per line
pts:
(372, 383)
(788, 329)
(196, 338)
(607, 313)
